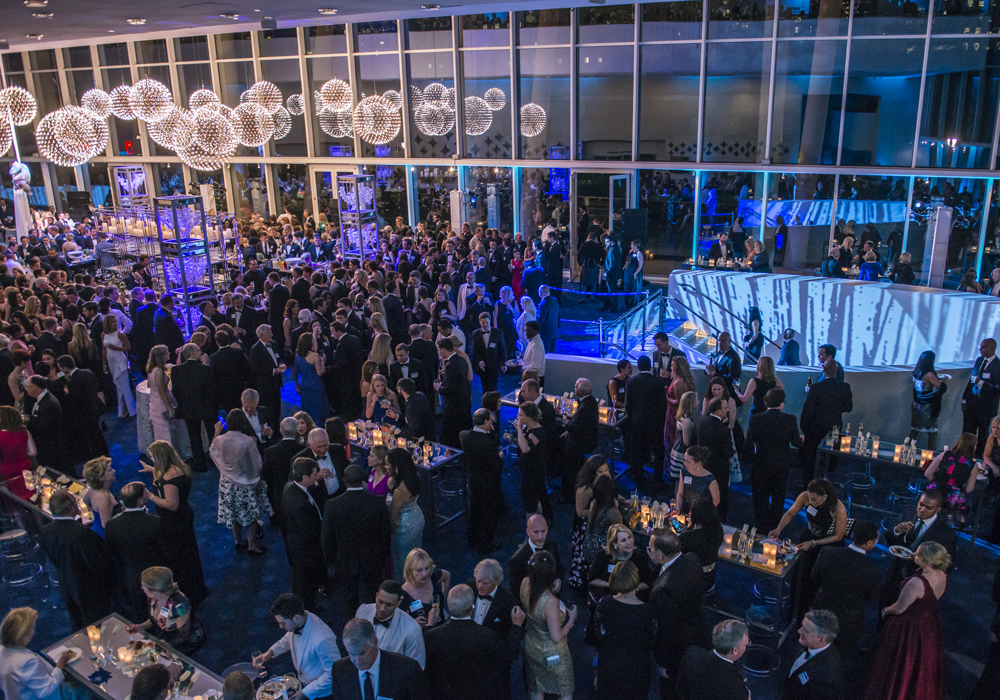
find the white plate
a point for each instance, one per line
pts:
(901, 552)
(58, 651)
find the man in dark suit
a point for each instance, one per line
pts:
(646, 409)
(425, 352)
(494, 603)
(456, 394)
(676, 596)
(488, 353)
(766, 448)
(135, 541)
(143, 333)
(243, 319)
(816, 673)
(82, 408)
(46, 425)
(395, 316)
(418, 412)
(382, 674)
(253, 278)
(847, 578)
(721, 249)
(982, 394)
(825, 406)
(532, 393)
(277, 297)
(712, 675)
(165, 328)
(663, 355)
(517, 568)
(356, 536)
(277, 465)
(714, 434)
(466, 660)
(302, 532)
(725, 363)
(406, 366)
(484, 467)
(81, 557)
(47, 340)
(580, 436)
(193, 389)
(231, 370)
(348, 358)
(268, 369)
(548, 317)
(331, 466)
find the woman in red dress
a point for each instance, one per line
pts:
(909, 655)
(16, 450)
(683, 382)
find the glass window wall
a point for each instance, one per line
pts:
(736, 93)
(483, 71)
(606, 25)
(427, 121)
(377, 74)
(434, 182)
(604, 92)
(334, 137)
(668, 197)
(963, 17)
(78, 57)
(543, 27)
(485, 30)
(732, 202)
(495, 213)
(376, 36)
(544, 103)
(740, 19)
(278, 42)
(666, 21)
(330, 38)
(151, 51)
(668, 84)
(809, 19)
(804, 202)
(285, 74)
(540, 188)
(428, 33)
(889, 17)
(191, 48)
(390, 192)
(235, 45)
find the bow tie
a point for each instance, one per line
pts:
(486, 597)
(384, 623)
(298, 631)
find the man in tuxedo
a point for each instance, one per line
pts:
(82, 560)
(143, 330)
(825, 406)
(488, 353)
(407, 367)
(816, 673)
(256, 415)
(713, 433)
(135, 541)
(766, 448)
(982, 394)
(663, 355)
(356, 537)
(193, 389)
(302, 532)
(242, 318)
(828, 352)
(47, 340)
(165, 328)
(253, 278)
(847, 578)
(494, 603)
(677, 596)
(721, 250)
(348, 358)
(548, 317)
(712, 675)
(725, 363)
(484, 467)
(395, 316)
(331, 471)
(277, 297)
(395, 630)
(789, 350)
(418, 412)
(231, 370)
(580, 437)
(46, 425)
(425, 352)
(368, 672)
(466, 660)
(82, 408)
(646, 410)
(277, 465)
(456, 394)
(517, 568)
(268, 370)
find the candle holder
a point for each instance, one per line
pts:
(352, 431)
(897, 453)
(401, 443)
(875, 444)
(845, 443)
(926, 456)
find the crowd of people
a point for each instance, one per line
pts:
(391, 341)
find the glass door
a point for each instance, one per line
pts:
(618, 198)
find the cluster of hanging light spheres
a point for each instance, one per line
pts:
(206, 133)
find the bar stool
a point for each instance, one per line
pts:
(766, 590)
(917, 486)
(761, 659)
(901, 498)
(18, 559)
(863, 481)
(844, 489)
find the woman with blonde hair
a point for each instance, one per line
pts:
(375, 306)
(99, 476)
(25, 675)
(161, 401)
(83, 350)
(170, 613)
(425, 589)
(381, 351)
(619, 546)
(682, 383)
(382, 405)
(758, 387)
(684, 422)
(528, 313)
(171, 488)
(115, 347)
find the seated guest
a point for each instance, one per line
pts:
(237, 686)
(381, 674)
(704, 536)
(170, 615)
(870, 269)
(619, 547)
(152, 683)
(831, 266)
(395, 630)
(25, 675)
(312, 644)
(425, 592)
(517, 568)
(493, 603)
(902, 271)
(419, 416)
(626, 629)
(712, 675)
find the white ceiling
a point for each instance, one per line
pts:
(81, 21)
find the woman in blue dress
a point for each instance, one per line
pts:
(633, 272)
(382, 406)
(307, 372)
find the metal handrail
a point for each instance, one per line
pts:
(708, 298)
(622, 320)
(732, 342)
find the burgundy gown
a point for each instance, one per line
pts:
(909, 659)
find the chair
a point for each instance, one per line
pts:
(761, 659)
(19, 564)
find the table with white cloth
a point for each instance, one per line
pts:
(144, 426)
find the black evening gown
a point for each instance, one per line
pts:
(624, 658)
(181, 543)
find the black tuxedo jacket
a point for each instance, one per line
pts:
(419, 417)
(494, 354)
(583, 426)
(646, 403)
(940, 531)
(549, 421)
(418, 373)
(233, 374)
(715, 251)
(193, 386)
(303, 526)
(426, 352)
(300, 293)
(263, 370)
(677, 595)
(277, 298)
(483, 462)
(48, 341)
(399, 678)
(847, 580)
(819, 678)
(498, 615)
(356, 533)
(706, 676)
(395, 318)
(989, 393)
(466, 661)
(456, 393)
(86, 570)
(319, 492)
(826, 403)
(46, 427)
(716, 435)
(729, 367)
(135, 540)
(768, 437)
(166, 331)
(348, 358)
(517, 568)
(276, 470)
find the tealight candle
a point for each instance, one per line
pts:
(126, 655)
(875, 444)
(770, 550)
(926, 456)
(729, 539)
(377, 437)
(94, 633)
(401, 443)
(352, 431)
(897, 453)
(772, 562)
(845, 443)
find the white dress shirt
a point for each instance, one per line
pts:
(802, 659)
(373, 672)
(403, 636)
(314, 649)
(309, 495)
(482, 606)
(124, 322)
(24, 675)
(38, 401)
(534, 356)
(332, 482)
(254, 421)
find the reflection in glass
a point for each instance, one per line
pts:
(731, 202)
(662, 21)
(669, 85)
(330, 38)
(484, 71)
(378, 73)
(434, 182)
(427, 69)
(235, 45)
(808, 87)
(285, 74)
(545, 82)
(823, 18)
(668, 197)
(192, 77)
(804, 201)
(962, 17)
(390, 192)
(428, 33)
(278, 42)
(320, 71)
(960, 100)
(538, 187)
(882, 94)
(731, 19)
(46, 59)
(601, 25)
(377, 36)
(113, 54)
(78, 57)
(79, 81)
(543, 27)
(168, 179)
(889, 17)
(151, 51)
(965, 197)
(191, 48)
(736, 102)
(502, 214)
(605, 103)
(489, 29)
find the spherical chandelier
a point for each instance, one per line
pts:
(477, 116)
(80, 132)
(174, 132)
(295, 104)
(253, 124)
(150, 100)
(267, 95)
(434, 118)
(20, 103)
(395, 99)
(375, 121)
(435, 92)
(202, 98)
(334, 95)
(416, 97)
(98, 102)
(245, 96)
(449, 97)
(6, 139)
(282, 123)
(533, 120)
(213, 132)
(197, 158)
(495, 98)
(339, 124)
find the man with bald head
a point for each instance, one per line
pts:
(725, 363)
(580, 437)
(982, 394)
(538, 538)
(825, 406)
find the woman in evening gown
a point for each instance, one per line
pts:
(546, 650)
(161, 401)
(308, 375)
(404, 512)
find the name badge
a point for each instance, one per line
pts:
(414, 375)
(803, 678)
(416, 606)
(986, 375)
(811, 510)
(687, 479)
(388, 498)
(493, 345)
(611, 567)
(164, 613)
(371, 477)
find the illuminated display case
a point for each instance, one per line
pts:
(185, 256)
(358, 218)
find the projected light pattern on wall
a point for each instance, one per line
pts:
(808, 212)
(872, 324)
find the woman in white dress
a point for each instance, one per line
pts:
(528, 314)
(161, 401)
(116, 346)
(24, 675)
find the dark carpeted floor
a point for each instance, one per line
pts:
(236, 618)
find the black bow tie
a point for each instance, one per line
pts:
(384, 623)
(486, 597)
(298, 631)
